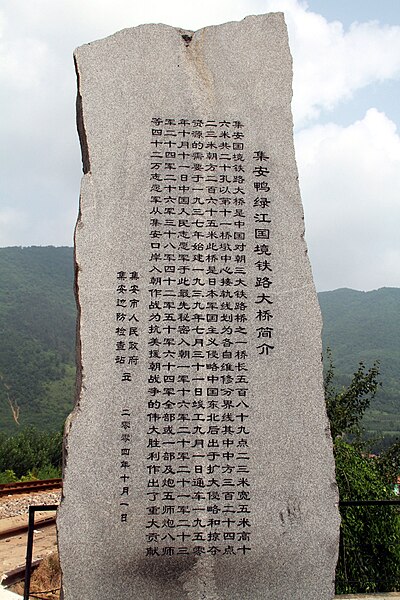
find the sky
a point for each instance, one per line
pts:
(346, 91)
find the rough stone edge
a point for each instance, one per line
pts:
(81, 126)
(78, 344)
(185, 33)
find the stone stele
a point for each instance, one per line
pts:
(198, 457)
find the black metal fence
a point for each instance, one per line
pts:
(29, 545)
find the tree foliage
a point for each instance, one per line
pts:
(369, 557)
(346, 406)
(366, 326)
(30, 453)
(37, 349)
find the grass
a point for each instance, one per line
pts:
(45, 580)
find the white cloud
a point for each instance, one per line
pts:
(85, 20)
(11, 221)
(8, 217)
(330, 64)
(350, 181)
(23, 63)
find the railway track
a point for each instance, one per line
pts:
(23, 528)
(24, 533)
(24, 487)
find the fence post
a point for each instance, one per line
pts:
(29, 550)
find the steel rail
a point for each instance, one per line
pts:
(24, 487)
(23, 528)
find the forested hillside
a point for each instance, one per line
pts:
(365, 326)
(37, 336)
(37, 340)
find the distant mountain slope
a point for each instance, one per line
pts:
(37, 339)
(365, 326)
(37, 335)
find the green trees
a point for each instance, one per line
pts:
(369, 557)
(30, 454)
(346, 407)
(366, 326)
(37, 342)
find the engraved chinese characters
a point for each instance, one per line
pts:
(198, 325)
(199, 486)
(127, 353)
(199, 463)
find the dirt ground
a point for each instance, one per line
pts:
(46, 581)
(13, 549)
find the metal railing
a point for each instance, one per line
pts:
(29, 544)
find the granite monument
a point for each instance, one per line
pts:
(198, 457)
